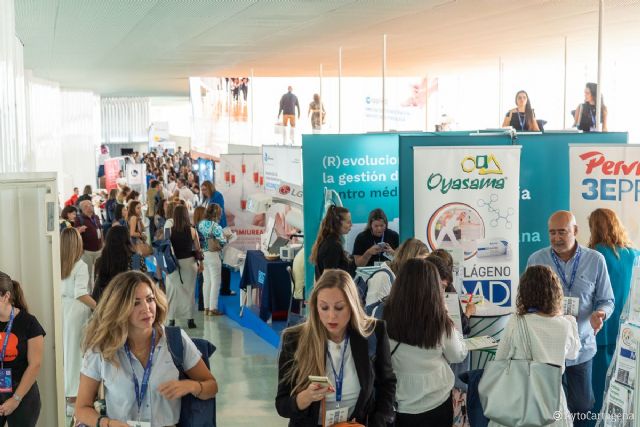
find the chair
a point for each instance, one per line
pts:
(294, 317)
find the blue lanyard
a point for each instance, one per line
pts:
(7, 332)
(339, 377)
(560, 270)
(593, 118)
(142, 390)
(521, 118)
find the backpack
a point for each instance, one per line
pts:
(363, 286)
(193, 411)
(165, 258)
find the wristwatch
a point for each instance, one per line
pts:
(17, 397)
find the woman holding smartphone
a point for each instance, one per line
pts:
(351, 349)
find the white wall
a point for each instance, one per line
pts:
(13, 146)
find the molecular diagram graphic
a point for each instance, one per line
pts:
(497, 214)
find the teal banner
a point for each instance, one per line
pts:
(362, 169)
(544, 177)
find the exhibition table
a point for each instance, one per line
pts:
(273, 280)
(491, 320)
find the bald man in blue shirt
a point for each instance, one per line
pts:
(583, 274)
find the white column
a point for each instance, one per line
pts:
(599, 96)
(340, 89)
(384, 73)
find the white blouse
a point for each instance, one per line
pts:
(119, 389)
(553, 339)
(350, 383)
(425, 379)
(77, 283)
(379, 285)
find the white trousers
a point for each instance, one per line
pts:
(212, 279)
(90, 258)
(181, 294)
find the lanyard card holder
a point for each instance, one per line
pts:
(5, 381)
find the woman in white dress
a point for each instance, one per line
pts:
(554, 337)
(77, 305)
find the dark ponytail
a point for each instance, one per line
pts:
(17, 296)
(330, 226)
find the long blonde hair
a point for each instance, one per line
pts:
(606, 229)
(409, 249)
(70, 250)
(108, 328)
(309, 358)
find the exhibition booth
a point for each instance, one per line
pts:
(485, 196)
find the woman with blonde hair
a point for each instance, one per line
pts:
(77, 304)
(341, 342)
(126, 343)
(213, 240)
(609, 237)
(379, 283)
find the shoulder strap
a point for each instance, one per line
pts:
(395, 348)
(389, 273)
(175, 345)
(372, 344)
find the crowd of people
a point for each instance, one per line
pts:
(399, 365)
(132, 266)
(380, 352)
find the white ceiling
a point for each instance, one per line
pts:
(151, 47)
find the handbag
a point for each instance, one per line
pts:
(520, 392)
(213, 245)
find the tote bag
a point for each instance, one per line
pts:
(520, 393)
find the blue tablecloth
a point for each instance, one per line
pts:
(273, 279)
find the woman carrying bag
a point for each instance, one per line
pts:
(339, 342)
(181, 284)
(213, 241)
(536, 342)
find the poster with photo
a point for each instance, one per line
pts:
(238, 177)
(283, 172)
(466, 200)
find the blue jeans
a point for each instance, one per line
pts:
(601, 362)
(577, 387)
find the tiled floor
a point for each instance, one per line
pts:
(246, 369)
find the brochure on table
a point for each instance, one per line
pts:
(621, 396)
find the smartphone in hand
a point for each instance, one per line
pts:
(323, 381)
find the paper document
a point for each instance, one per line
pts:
(452, 302)
(479, 343)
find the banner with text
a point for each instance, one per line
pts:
(466, 201)
(362, 169)
(282, 172)
(605, 176)
(235, 179)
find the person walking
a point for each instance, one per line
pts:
(288, 105)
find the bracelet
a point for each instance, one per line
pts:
(100, 418)
(200, 392)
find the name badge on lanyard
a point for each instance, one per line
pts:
(576, 262)
(571, 306)
(141, 389)
(335, 416)
(522, 120)
(6, 383)
(338, 414)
